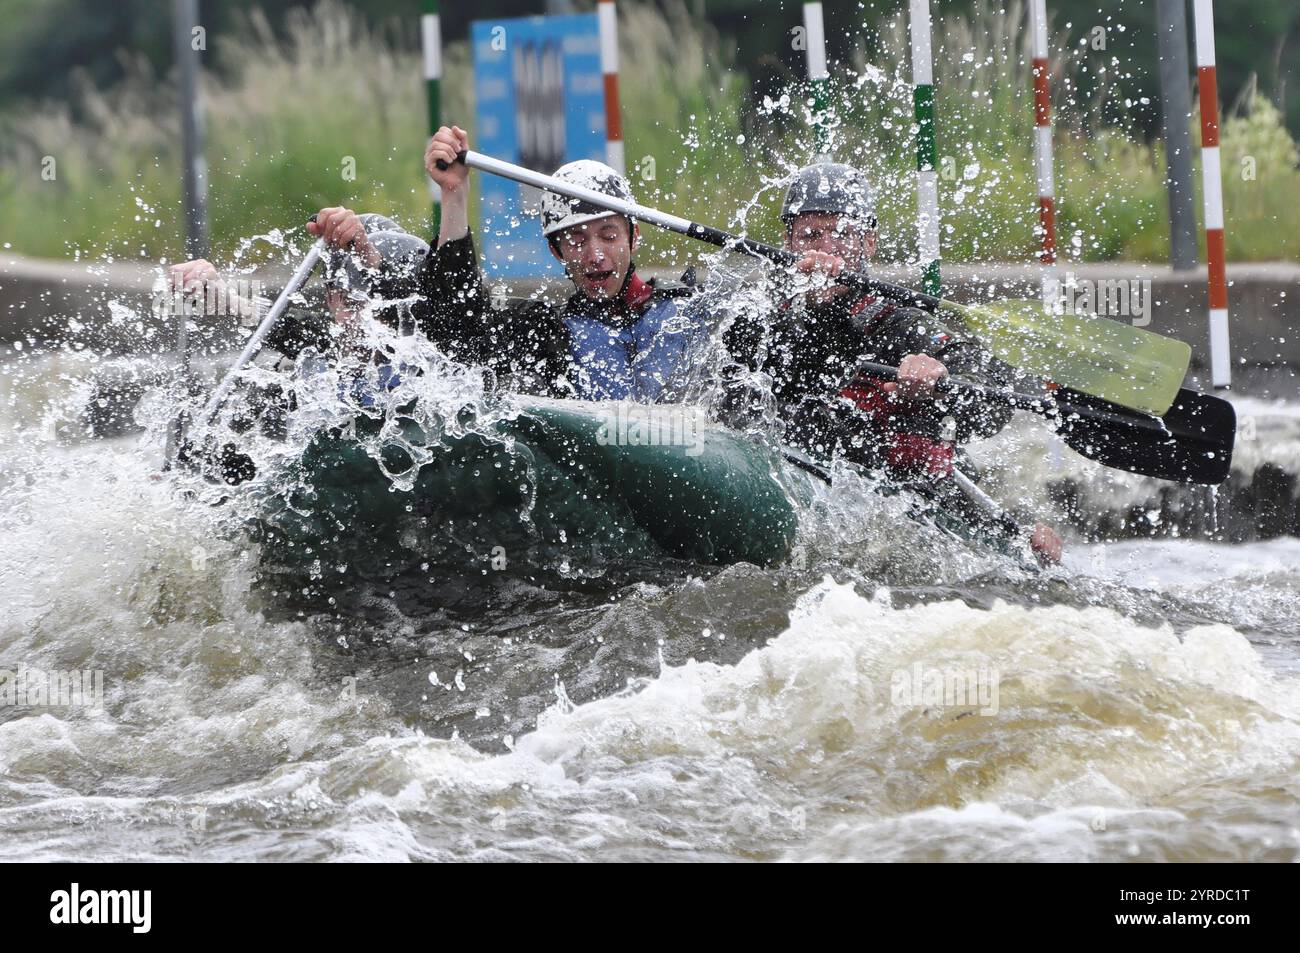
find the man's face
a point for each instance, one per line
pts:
(832, 234)
(597, 254)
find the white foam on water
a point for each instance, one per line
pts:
(220, 739)
(1158, 564)
(1110, 741)
(107, 570)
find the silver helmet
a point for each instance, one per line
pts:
(833, 188)
(560, 212)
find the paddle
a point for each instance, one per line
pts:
(988, 504)
(254, 345)
(1191, 443)
(176, 431)
(236, 467)
(999, 518)
(233, 466)
(1116, 362)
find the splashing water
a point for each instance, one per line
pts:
(888, 693)
(742, 713)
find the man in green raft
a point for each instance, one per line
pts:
(369, 266)
(369, 258)
(812, 342)
(619, 337)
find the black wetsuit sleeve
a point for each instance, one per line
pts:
(453, 308)
(905, 331)
(524, 342)
(744, 338)
(527, 343)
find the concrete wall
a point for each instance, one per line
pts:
(1264, 302)
(45, 303)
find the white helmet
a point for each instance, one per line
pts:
(560, 212)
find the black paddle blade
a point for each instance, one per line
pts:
(1191, 443)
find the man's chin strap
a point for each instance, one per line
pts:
(627, 280)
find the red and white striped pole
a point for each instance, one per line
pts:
(608, 18)
(1212, 182)
(1043, 133)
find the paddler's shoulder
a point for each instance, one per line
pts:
(453, 249)
(542, 303)
(451, 266)
(519, 315)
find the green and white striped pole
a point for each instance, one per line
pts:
(927, 176)
(815, 37)
(431, 41)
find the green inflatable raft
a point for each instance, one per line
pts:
(552, 489)
(554, 483)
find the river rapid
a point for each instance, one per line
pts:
(891, 694)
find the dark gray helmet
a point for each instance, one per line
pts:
(395, 277)
(830, 187)
(374, 222)
(401, 255)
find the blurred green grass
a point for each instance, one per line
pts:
(295, 109)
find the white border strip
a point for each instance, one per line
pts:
(919, 27)
(608, 20)
(1043, 161)
(431, 39)
(928, 226)
(816, 36)
(1220, 361)
(1038, 24)
(615, 155)
(1213, 187)
(1203, 11)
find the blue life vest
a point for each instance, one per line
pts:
(636, 362)
(388, 378)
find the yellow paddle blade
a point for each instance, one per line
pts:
(1116, 362)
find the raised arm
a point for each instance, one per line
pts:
(453, 310)
(453, 181)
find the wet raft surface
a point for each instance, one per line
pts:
(457, 574)
(561, 487)
(489, 554)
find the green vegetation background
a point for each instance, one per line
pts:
(293, 89)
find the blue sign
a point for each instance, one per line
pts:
(540, 102)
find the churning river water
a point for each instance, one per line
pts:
(892, 695)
